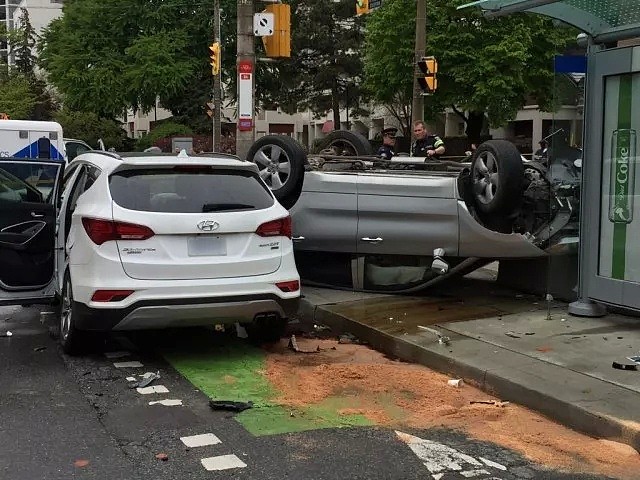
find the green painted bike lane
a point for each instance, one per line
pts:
(235, 370)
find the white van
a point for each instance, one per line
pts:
(31, 139)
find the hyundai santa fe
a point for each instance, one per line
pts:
(144, 242)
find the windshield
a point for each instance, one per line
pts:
(190, 190)
(40, 178)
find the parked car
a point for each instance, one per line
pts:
(148, 241)
(74, 147)
(364, 223)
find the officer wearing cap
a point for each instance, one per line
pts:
(388, 143)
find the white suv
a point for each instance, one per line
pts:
(146, 242)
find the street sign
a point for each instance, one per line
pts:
(365, 6)
(245, 96)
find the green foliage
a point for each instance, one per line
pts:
(389, 54)
(88, 126)
(485, 65)
(24, 42)
(164, 130)
(324, 72)
(17, 98)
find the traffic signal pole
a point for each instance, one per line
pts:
(246, 60)
(217, 83)
(417, 109)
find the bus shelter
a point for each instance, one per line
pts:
(609, 257)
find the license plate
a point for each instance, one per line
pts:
(207, 246)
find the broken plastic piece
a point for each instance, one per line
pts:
(241, 332)
(146, 380)
(625, 366)
(293, 345)
(456, 383)
(162, 456)
(39, 349)
(442, 340)
(347, 338)
(230, 405)
(512, 335)
(6, 334)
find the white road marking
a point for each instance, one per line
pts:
(152, 389)
(489, 463)
(200, 440)
(113, 355)
(167, 403)
(440, 459)
(223, 462)
(474, 473)
(128, 365)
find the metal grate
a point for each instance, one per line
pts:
(616, 13)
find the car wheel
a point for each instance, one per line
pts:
(281, 162)
(345, 143)
(268, 331)
(72, 340)
(498, 178)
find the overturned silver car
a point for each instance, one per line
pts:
(402, 225)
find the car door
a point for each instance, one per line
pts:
(407, 213)
(28, 203)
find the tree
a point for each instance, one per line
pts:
(23, 44)
(389, 54)
(17, 98)
(325, 69)
(89, 127)
(487, 67)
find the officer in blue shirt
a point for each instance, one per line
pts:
(386, 151)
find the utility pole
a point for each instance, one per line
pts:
(217, 82)
(417, 110)
(246, 60)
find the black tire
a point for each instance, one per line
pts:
(345, 143)
(72, 340)
(281, 161)
(497, 176)
(268, 331)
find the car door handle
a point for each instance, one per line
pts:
(37, 215)
(372, 240)
(298, 239)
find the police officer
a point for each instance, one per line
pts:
(388, 143)
(425, 145)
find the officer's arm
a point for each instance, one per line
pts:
(439, 146)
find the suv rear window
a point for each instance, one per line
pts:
(189, 190)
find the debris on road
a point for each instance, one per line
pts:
(321, 328)
(512, 335)
(162, 456)
(39, 349)
(80, 463)
(293, 345)
(496, 403)
(347, 338)
(544, 349)
(6, 334)
(230, 405)
(635, 359)
(625, 366)
(442, 340)
(152, 389)
(456, 383)
(145, 380)
(241, 332)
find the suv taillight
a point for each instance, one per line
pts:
(101, 231)
(276, 228)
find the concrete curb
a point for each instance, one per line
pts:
(573, 399)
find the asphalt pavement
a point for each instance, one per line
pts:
(77, 418)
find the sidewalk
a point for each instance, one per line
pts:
(510, 345)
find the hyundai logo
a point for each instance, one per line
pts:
(208, 226)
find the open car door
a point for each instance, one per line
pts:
(29, 191)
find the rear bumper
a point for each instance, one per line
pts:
(169, 313)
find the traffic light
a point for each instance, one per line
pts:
(278, 45)
(429, 68)
(362, 7)
(215, 58)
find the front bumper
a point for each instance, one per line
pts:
(169, 313)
